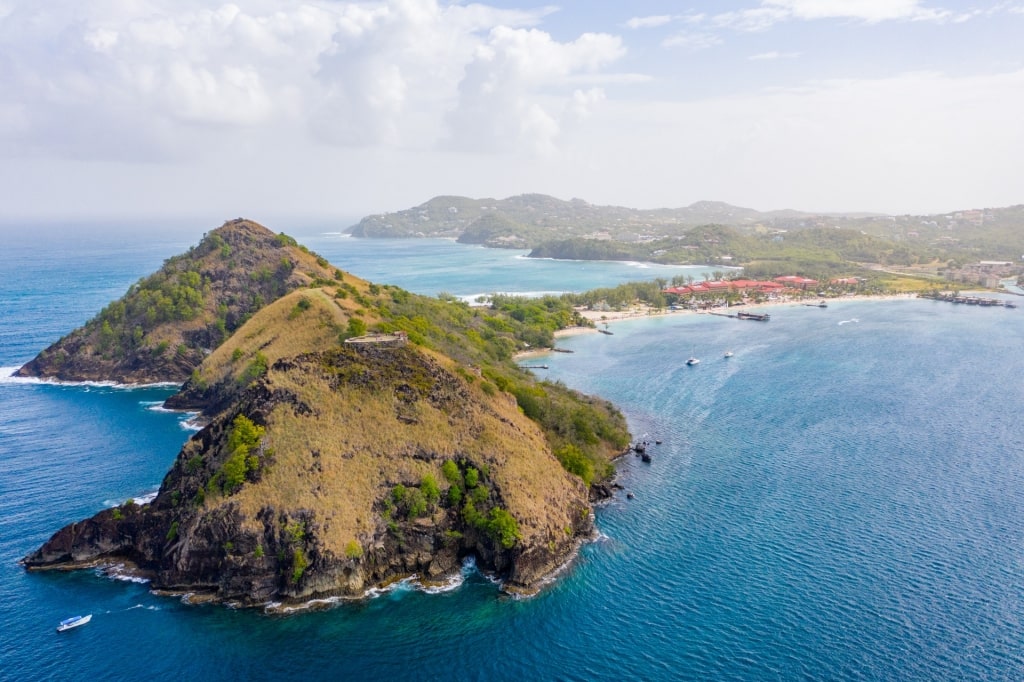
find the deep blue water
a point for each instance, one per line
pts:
(842, 499)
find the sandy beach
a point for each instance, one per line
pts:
(608, 318)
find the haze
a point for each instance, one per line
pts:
(269, 108)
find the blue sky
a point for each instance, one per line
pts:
(277, 109)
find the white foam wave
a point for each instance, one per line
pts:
(147, 498)
(192, 423)
(122, 573)
(853, 319)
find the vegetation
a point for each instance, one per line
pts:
(166, 323)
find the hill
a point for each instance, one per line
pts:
(533, 221)
(527, 220)
(335, 460)
(164, 326)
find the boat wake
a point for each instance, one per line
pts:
(852, 319)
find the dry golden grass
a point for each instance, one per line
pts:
(363, 450)
(277, 332)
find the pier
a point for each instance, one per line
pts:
(760, 317)
(969, 300)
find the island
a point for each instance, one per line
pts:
(355, 433)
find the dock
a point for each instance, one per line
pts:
(970, 300)
(759, 317)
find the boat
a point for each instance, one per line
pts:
(728, 354)
(73, 622)
(692, 361)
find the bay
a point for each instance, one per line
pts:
(841, 499)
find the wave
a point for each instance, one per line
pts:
(121, 572)
(144, 498)
(192, 423)
(852, 319)
(189, 418)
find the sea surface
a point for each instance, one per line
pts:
(843, 499)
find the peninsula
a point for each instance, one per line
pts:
(355, 433)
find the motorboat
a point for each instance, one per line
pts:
(73, 622)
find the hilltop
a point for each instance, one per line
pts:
(357, 434)
(166, 323)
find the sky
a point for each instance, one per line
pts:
(274, 109)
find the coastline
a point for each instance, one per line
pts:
(645, 312)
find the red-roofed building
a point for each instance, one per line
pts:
(738, 285)
(796, 281)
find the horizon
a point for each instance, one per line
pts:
(325, 110)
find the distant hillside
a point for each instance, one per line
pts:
(535, 221)
(164, 326)
(528, 220)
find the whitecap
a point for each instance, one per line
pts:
(192, 423)
(122, 573)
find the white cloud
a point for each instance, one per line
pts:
(693, 41)
(151, 79)
(649, 21)
(772, 56)
(498, 106)
(866, 10)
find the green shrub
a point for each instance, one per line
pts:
(353, 550)
(450, 470)
(429, 488)
(299, 564)
(172, 532)
(503, 528)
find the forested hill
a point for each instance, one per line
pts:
(164, 326)
(527, 220)
(532, 220)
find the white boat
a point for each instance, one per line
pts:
(728, 353)
(73, 622)
(692, 361)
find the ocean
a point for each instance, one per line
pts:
(841, 499)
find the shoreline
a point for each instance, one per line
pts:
(643, 313)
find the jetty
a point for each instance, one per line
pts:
(968, 300)
(759, 317)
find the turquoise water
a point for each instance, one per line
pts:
(842, 499)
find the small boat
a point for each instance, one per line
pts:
(692, 361)
(728, 354)
(73, 622)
